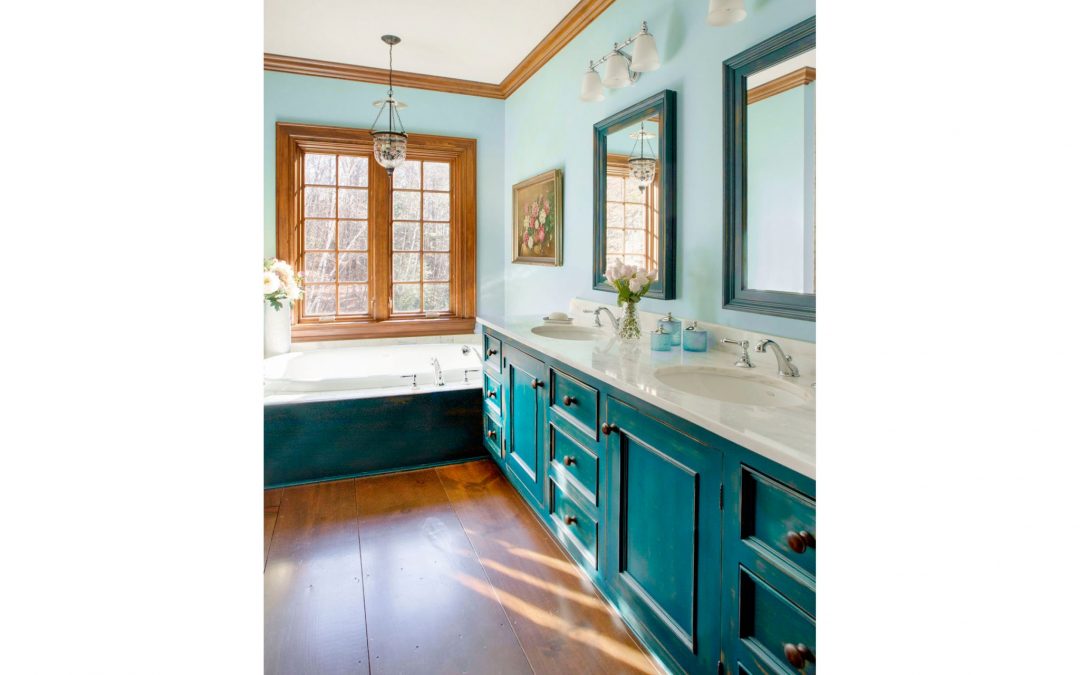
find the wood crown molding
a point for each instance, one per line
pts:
(575, 21)
(795, 78)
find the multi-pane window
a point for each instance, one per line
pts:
(382, 255)
(420, 244)
(335, 234)
(631, 219)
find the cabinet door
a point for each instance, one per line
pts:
(664, 563)
(525, 383)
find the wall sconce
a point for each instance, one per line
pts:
(621, 70)
(725, 12)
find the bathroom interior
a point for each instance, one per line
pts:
(540, 339)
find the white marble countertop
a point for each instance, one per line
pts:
(785, 435)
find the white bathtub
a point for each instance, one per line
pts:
(367, 371)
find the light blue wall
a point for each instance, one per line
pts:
(319, 100)
(548, 127)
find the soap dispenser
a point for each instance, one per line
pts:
(672, 327)
(659, 341)
(694, 339)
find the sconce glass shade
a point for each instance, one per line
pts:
(591, 88)
(617, 72)
(643, 170)
(726, 12)
(389, 149)
(645, 57)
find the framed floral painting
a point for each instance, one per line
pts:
(538, 220)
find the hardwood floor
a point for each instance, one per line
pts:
(440, 570)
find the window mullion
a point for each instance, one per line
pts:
(379, 244)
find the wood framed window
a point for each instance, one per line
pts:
(380, 258)
(632, 216)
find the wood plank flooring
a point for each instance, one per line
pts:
(440, 570)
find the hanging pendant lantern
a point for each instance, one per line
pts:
(642, 168)
(390, 144)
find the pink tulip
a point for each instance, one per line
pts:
(541, 235)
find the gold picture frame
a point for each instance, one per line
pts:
(537, 220)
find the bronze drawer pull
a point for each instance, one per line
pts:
(800, 541)
(492, 394)
(537, 384)
(491, 434)
(798, 655)
(492, 351)
(570, 520)
(568, 460)
(568, 400)
(606, 428)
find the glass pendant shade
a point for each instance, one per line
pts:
(617, 72)
(389, 149)
(591, 88)
(643, 170)
(726, 12)
(645, 57)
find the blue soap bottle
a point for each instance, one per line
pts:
(695, 339)
(659, 341)
(672, 327)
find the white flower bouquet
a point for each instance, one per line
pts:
(632, 282)
(280, 283)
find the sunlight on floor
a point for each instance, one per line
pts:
(556, 589)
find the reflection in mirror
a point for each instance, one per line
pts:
(780, 176)
(769, 177)
(631, 200)
(634, 192)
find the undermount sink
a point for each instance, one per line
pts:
(568, 332)
(725, 385)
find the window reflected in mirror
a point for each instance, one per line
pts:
(632, 196)
(780, 181)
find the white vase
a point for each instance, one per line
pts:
(277, 330)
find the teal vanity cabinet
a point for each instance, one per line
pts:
(706, 549)
(525, 384)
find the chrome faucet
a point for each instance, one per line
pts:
(783, 362)
(744, 359)
(465, 349)
(596, 317)
(438, 372)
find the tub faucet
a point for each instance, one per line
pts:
(438, 372)
(596, 317)
(465, 349)
(783, 361)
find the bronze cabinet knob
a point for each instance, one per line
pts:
(606, 428)
(492, 394)
(491, 434)
(570, 520)
(537, 384)
(800, 541)
(798, 655)
(492, 351)
(568, 460)
(568, 400)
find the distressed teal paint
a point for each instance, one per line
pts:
(679, 519)
(525, 412)
(547, 127)
(321, 100)
(315, 441)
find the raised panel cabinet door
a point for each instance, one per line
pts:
(666, 566)
(525, 426)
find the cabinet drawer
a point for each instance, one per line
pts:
(780, 520)
(576, 401)
(575, 461)
(492, 395)
(493, 353)
(573, 526)
(780, 636)
(493, 435)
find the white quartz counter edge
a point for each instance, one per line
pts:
(758, 436)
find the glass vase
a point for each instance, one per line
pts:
(629, 326)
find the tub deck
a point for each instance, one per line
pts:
(441, 570)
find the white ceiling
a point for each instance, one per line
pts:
(480, 40)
